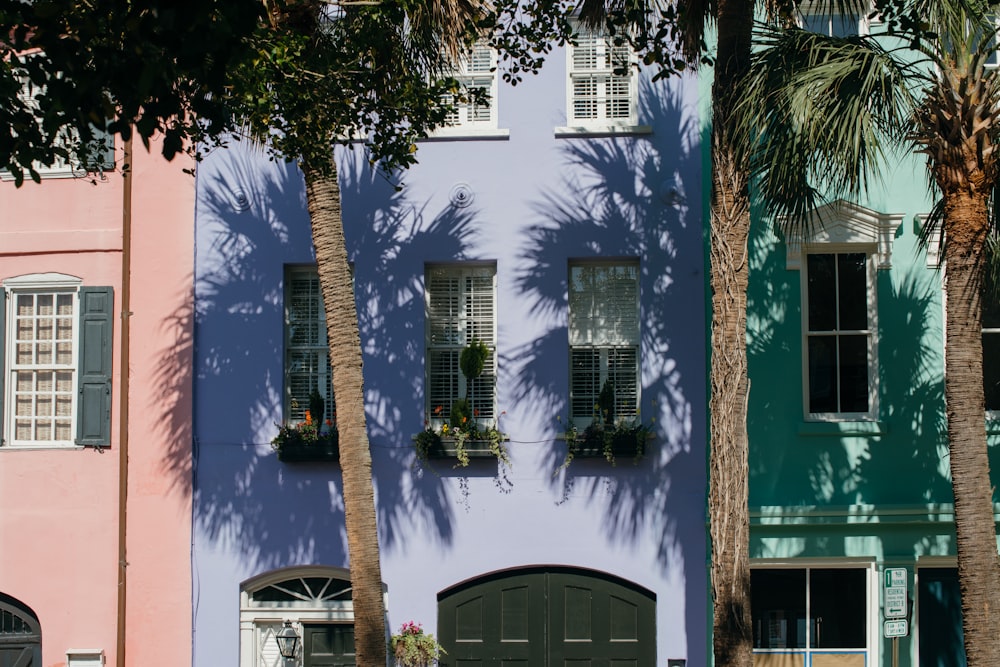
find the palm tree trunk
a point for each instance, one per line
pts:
(728, 460)
(965, 226)
(323, 197)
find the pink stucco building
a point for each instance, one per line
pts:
(96, 280)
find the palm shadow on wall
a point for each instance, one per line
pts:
(791, 473)
(629, 202)
(271, 513)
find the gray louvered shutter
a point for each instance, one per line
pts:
(3, 357)
(94, 380)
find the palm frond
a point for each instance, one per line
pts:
(820, 115)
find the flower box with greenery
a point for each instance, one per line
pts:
(607, 436)
(412, 647)
(311, 440)
(464, 436)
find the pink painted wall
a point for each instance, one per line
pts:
(59, 507)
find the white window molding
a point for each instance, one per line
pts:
(476, 70)
(599, 100)
(101, 150)
(306, 595)
(307, 353)
(842, 223)
(832, 24)
(461, 306)
(85, 657)
(843, 592)
(604, 338)
(40, 360)
(846, 244)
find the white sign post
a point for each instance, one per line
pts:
(895, 625)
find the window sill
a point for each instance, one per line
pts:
(602, 130)
(468, 134)
(861, 428)
(46, 174)
(36, 448)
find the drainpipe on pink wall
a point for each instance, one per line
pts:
(123, 397)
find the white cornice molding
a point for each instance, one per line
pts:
(842, 223)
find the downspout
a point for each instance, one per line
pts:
(124, 396)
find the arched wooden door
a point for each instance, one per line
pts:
(547, 617)
(20, 635)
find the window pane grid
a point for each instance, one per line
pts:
(461, 307)
(839, 338)
(307, 355)
(597, 91)
(474, 73)
(604, 337)
(43, 366)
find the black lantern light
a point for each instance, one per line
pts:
(287, 640)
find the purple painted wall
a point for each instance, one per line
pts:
(539, 201)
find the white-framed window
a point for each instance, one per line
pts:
(815, 611)
(56, 379)
(97, 155)
(831, 24)
(461, 308)
(477, 71)
(604, 339)
(840, 318)
(316, 601)
(839, 254)
(602, 87)
(307, 353)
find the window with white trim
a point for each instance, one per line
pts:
(840, 333)
(839, 255)
(603, 339)
(603, 82)
(315, 599)
(461, 308)
(830, 23)
(96, 155)
(307, 353)
(56, 380)
(814, 613)
(475, 72)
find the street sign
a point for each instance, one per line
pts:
(895, 628)
(894, 602)
(895, 576)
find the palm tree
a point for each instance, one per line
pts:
(826, 112)
(366, 73)
(323, 75)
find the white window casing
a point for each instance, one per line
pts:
(604, 337)
(839, 233)
(836, 617)
(55, 375)
(307, 353)
(602, 87)
(477, 70)
(313, 595)
(461, 307)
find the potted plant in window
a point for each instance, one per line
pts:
(465, 436)
(312, 439)
(412, 647)
(606, 436)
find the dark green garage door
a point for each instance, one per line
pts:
(551, 617)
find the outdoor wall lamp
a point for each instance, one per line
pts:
(287, 640)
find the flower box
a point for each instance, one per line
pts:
(613, 443)
(312, 452)
(447, 448)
